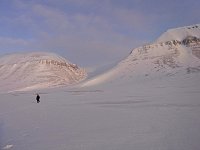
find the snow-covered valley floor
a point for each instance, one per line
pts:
(161, 114)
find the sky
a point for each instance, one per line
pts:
(89, 32)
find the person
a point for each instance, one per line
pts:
(38, 98)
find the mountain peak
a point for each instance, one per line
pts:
(180, 33)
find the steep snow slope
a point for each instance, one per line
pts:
(176, 52)
(37, 70)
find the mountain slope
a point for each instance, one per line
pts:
(37, 70)
(175, 52)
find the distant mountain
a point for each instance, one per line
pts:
(27, 71)
(177, 51)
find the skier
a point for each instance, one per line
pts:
(38, 98)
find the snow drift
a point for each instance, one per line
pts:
(37, 70)
(177, 51)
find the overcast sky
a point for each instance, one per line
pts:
(89, 32)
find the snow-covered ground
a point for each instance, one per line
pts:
(159, 114)
(149, 101)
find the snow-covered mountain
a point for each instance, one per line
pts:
(176, 51)
(36, 70)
